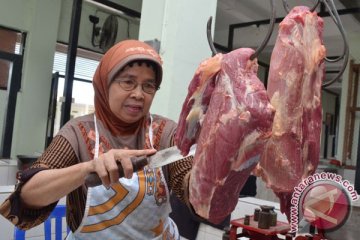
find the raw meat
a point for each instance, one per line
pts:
(294, 87)
(196, 103)
(233, 120)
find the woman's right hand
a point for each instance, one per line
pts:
(106, 165)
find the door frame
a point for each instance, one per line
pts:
(14, 85)
(52, 109)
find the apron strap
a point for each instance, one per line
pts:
(96, 155)
(151, 132)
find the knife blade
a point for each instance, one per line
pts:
(168, 155)
(159, 159)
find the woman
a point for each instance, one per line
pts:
(134, 207)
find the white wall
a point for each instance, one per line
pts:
(354, 39)
(354, 48)
(46, 22)
(39, 18)
(181, 28)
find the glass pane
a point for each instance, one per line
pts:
(5, 67)
(60, 100)
(82, 103)
(11, 41)
(84, 68)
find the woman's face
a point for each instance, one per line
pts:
(131, 105)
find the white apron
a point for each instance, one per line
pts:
(136, 208)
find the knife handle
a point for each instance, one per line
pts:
(138, 163)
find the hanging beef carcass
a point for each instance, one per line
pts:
(196, 103)
(228, 114)
(294, 88)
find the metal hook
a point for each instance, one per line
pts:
(209, 37)
(268, 35)
(287, 9)
(262, 45)
(335, 16)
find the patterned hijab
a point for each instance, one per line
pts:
(114, 60)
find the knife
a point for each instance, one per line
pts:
(159, 159)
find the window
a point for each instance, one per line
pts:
(11, 43)
(11, 57)
(83, 93)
